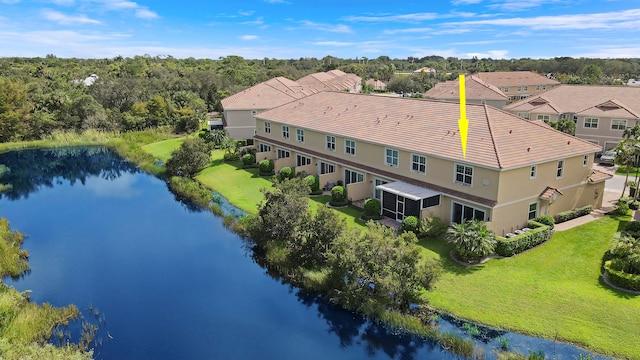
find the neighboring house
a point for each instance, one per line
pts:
(425, 70)
(377, 85)
(407, 153)
(240, 108)
(477, 92)
(518, 84)
(601, 112)
(334, 80)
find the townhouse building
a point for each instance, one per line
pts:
(478, 91)
(518, 84)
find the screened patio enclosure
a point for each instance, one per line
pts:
(400, 199)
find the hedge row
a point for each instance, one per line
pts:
(621, 278)
(572, 214)
(538, 234)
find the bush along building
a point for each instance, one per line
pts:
(407, 153)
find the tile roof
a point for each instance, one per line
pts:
(497, 139)
(599, 176)
(601, 99)
(475, 88)
(334, 80)
(266, 95)
(548, 192)
(515, 78)
(377, 84)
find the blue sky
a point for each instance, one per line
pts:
(286, 29)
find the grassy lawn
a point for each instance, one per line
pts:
(163, 149)
(240, 186)
(551, 290)
(350, 213)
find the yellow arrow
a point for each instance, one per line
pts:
(463, 122)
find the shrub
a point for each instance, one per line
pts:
(621, 209)
(228, 156)
(472, 240)
(619, 277)
(572, 214)
(338, 196)
(191, 157)
(546, 220)
(431, 227)
(410, 223)
(538, 234)
(266, 167)
(248, 159)
(286, 173)
(372, 207)
(634, 205)
(313, 183)
(633, 226)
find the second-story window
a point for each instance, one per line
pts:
(267, 127)
(285, 131)
(419, 164)
(331, 142)
(532, 172)
(391, 157)
(464, 174)
(560, 169)
(618, 124)
(299, 135)
(591, 123)
(350, 147)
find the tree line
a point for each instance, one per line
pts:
(42, 95)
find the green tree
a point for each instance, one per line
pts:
(315, 237)
(472, 240)
(376, 270)
(190, 158)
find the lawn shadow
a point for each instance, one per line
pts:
(350, 211)
(617, 292)
(440, 247)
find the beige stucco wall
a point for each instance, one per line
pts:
(603, 135)
(240, 123)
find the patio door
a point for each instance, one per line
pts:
(400, 208)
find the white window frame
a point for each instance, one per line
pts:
(390, 155)
(267, 127)
(524, 115)
(537, 87)
(359, 177)
(560, 169)
(285, 132)
(590, 123)
(282, 153)
(506, 89)
(585, 160)
(544, 87)
(533, 171)
(475, 209)
(324, 166)
(377, 194)
(302, 160)
(535, 211)
(264, 147)
(617, 123)
(526, 88)
(417, 166)
(300, 135)
(331, 142)
(350, 147)
(545, 118)
(463, 173)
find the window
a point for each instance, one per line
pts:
(254, 112)
(331, 142)
(524, 115)
(302, 160)
(264, 148)
(464, 175)
(283, 154)
(519, 88)
(537, 87)
(506, 89)
(462, 212)
(526, 88)
(377, 193)
(483, 102)
(544, 87)
(591, 123)
(560, 169)
(352, 177)
(299, 135)
(267, 127)
(431, 201)
(285, 131)
(533, 211)
(544, 118)
(532, 172)
(391, 157)
(326, 168)
(418, 164)
(618, 124)
(350, 147)
(585, 160)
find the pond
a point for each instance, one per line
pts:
(163, 280)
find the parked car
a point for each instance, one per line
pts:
(608, 157)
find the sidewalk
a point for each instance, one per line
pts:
(608, 204)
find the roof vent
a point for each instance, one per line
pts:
(568, 142)
(510, 131)
(528, 149)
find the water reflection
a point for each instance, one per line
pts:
(31, 170)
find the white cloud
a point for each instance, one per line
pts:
(417, 17)
(519, 5)
(333, 43)
(248, 37)
(627, 19)
(256, 22)
(246, 13)
(9, 1)
(62, 2)
(407, 31)
(465, 2)
(494, 54)
(143, 13)
(339, 28)
(64, 19)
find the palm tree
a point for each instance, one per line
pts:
(472, 240)
(624, 157)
